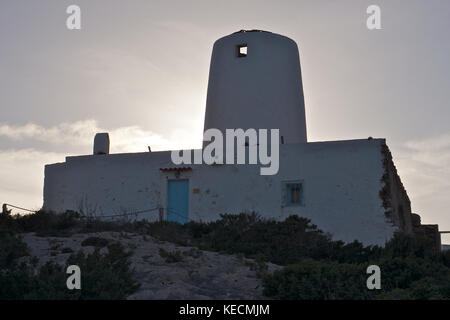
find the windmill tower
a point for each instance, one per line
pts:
(255, 82)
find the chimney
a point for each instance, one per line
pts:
(101, 143)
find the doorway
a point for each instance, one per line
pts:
(178, 201)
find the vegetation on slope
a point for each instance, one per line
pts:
(105, 275)
(316, 266)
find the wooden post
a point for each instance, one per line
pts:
(5, 209)
(161, 214)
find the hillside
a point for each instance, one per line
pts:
(163, 270)
(237, 257)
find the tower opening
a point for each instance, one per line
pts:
(241, 50)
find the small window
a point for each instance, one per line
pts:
(294, 194)
(241, 50)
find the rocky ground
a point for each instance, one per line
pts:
(187, 274)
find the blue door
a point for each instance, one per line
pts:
(178, 201)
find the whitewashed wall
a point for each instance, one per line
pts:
(341, 181)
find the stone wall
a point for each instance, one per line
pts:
(393, 194)
(398, 206)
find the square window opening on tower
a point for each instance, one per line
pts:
(241, 50)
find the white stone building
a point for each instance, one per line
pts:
(347, 188)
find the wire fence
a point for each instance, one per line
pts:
(125, 214)
(133, 213)
(5, 205)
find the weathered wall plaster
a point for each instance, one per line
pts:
(341, 182)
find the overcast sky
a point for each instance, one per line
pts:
(139, 70)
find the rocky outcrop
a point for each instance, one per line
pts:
(165, 270)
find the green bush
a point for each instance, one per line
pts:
(194, 253)
(314, 280)
(410, 269)
(66, 250)
(11, 249)
(95, 242)
(280, 242)
(103, 276)
(43, 223)
(170, 257)
(170, 231)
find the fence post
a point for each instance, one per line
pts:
(161, 214)
(5, 210)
